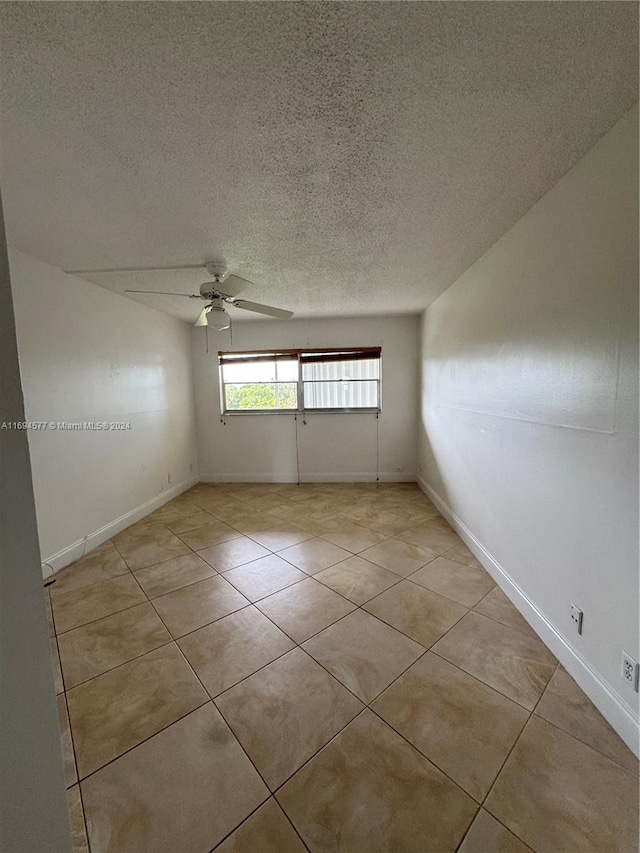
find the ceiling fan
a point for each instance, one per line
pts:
(223, 288)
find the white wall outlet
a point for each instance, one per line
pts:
(169, 478)
(576, 618)
(630, 670)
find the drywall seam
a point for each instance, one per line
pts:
(612, 707)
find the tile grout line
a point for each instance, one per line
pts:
(73, 747)
(508, 756)
(299, 645)
(210, 699)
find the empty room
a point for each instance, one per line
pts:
(319, 427)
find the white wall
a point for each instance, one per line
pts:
(87, 354)
(331, 447)
(529, 428)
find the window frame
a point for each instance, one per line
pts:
(247, 356)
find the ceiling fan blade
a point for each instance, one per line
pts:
(164, 293)
(138, 269)
(233, 285)
(280, 313)
(202, 318)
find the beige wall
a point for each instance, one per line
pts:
(87, 354)
(529, 418)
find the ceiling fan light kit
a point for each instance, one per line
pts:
(223, 288)
(217, 318)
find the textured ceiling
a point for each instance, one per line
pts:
(349, 158)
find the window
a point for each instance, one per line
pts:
(335, 380)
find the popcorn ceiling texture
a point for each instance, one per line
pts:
(349, 158)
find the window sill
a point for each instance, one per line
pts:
(302, 413)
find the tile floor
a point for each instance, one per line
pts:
(279, 668)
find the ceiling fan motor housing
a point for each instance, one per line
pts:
(216, 269)
(208, 290)
(217, 304)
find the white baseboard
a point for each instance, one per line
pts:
(610, 704)
(344, 477)
(78, 549)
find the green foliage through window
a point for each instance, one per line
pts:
(272, 395)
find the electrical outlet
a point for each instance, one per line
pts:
(576, 618)
(191, 467)
(630, 670)
(169, 478)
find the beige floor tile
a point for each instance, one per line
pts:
(497, 606)
(148, 545)
(173, 574)
(55, 664)
(47, 599)
(320, 523)
(314, 555)
(557, 794)
(68, 757)
(464, 727)
(79, 606)
(565, 705)
(288, 511)
(254, 521)
(189, 519)
(235, 552)
(182, 515)
(488, 836)
(279, 536)
(398, 557)
(223, 508)
(286, 712)
(209, 534)
(419, 613)
(433, 536)
(363, 653)
(263, 577)
(514, 664)
(266, 831)
(183, 790)
(461, 583)
(369, 790)
(99, 646)
(118, 710)
(234, 647)
(293, 492)
(354, 537)
(98, 565)
(383, 522)
(196, 605)
(265, 501)
(357, 579)
(416, 514)
(304, 609)
(461, 554)
(248, 519)
(76, 821)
